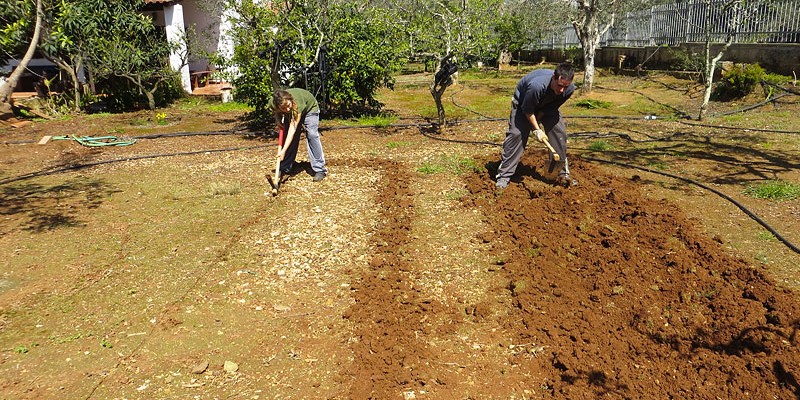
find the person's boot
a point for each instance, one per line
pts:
(502, 183)
(566, 181)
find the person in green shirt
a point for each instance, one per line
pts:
(290, 107)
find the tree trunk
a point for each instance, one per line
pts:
(588, 65)
(589, 34)
(76, 87)
(151, 100)
(7, 88)
(442, 79)
(73, 76)
(710, 67)
(90, 78)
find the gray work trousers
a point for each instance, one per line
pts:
(519, 129)
(313, 144)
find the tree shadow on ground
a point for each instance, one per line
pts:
(39, 208)
(737, 156)
(786, 378)
(598, 380)
(751, 341)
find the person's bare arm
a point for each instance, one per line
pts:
(290, 132)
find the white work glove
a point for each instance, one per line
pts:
(540, 135)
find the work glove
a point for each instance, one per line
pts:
(540, 135)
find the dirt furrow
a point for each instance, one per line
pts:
(388, 313)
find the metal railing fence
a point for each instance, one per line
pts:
(761, 21)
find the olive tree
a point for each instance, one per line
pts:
(727, 16)
(591, 19)
(13, 33)
(342, 51)
(450, 32)
(522, 23)
(132, 58)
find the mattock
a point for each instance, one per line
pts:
(554, 167)
(276, 182)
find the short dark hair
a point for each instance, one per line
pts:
(565, 70)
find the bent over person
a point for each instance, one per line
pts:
(291, 106)
(535, 109)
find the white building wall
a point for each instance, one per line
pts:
(213, 33)
(176, 33)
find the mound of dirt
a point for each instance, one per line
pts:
(621, 296)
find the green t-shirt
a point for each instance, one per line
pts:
(306, 102)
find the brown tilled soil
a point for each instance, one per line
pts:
(621, 296)
(173, 276)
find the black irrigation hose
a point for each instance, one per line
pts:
(736, 128)
(179, 134)
(92, 164)
(595, 134)
(750, 107)
(704, 186)
(426, 134)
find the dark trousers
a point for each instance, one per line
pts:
(519, 129)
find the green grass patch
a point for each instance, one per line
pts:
(99, 115)
(593, 104)
(67, 339)
(397, 145)
(225, 189)
(767, 145)
(428, 168)
(453, 164)
(766, 236)
(229, 106)
(494, 137)
(377, 121)
(659, 165)
(774, 190)
(600, 145)
(733, 118)
(457, 194)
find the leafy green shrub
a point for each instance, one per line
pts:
(119, 94)
(574, 55)
(357, 56)
(683, 60)
(739, 81)
(776, 79)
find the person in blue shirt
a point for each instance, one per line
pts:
(535, 109)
